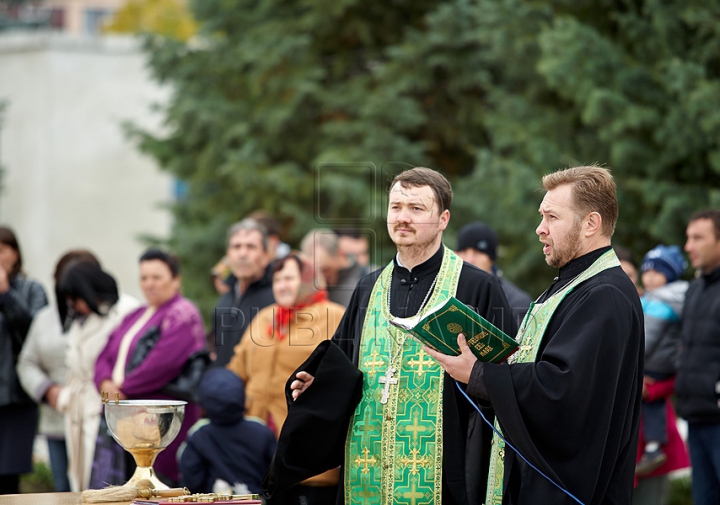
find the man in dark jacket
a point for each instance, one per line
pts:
(230, 454)
(250, 286)
(477, 244)
(698, 379)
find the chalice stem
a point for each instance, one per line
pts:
(144, 461)
(146, 473)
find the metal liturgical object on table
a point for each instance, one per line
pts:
(144, 428)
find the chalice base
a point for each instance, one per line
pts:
(145, 473)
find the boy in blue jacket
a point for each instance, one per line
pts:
(662, 307)
(230, 454)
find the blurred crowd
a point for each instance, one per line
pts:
(275, 306)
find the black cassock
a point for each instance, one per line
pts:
(465, 436)
(574, 412)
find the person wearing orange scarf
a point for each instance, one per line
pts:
(277, 341)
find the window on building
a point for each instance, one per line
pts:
(57, 18)
(94, 19)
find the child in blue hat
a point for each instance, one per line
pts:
(231, 453)
(662, 307)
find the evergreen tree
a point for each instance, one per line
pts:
(307, 109)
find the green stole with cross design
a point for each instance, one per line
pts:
(393, 452)
(530, 336)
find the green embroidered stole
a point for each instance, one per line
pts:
(393, 453)
(530, 336)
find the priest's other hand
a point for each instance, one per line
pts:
(458, 367)
(303, 381)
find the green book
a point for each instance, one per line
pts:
(439, 328)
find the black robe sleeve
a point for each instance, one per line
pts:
(312, 439)
(574, 412)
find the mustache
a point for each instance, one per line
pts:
(403, 226)
(243, 263)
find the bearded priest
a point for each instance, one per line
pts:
(569, 399)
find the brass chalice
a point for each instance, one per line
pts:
(144, 428)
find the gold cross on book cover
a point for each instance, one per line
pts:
(439, 327)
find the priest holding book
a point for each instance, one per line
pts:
(412, 437)
(569, 399)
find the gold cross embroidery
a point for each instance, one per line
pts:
(413, 494)
(421, 363)
(365, 494)
(415, 428)
(367, 425)
(373, 363)
(415, 461)
(365, 460)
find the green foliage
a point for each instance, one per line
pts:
(287, 106)
(627, 84)
(40, 481)
(680, 492)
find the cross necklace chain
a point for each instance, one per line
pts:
(387, 378)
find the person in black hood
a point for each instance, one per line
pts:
(229, 451)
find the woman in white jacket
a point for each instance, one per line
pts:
(41, 369)
(92, 310)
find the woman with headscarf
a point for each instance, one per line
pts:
(20, 299)
(277, 341)
(90, 308)
(175, 327)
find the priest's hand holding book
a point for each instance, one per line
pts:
(458, 367)
(443, 331)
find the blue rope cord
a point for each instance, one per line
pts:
(513, 448)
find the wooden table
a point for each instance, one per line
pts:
(46, 499)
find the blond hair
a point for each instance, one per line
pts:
(593, 190)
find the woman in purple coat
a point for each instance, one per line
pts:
(180, 329)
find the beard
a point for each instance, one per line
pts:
(567, 250)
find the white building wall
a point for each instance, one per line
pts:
(72, 179)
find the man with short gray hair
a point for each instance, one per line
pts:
(250, 286)
(341, 272)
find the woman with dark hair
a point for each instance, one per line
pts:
(277, 341)
(42, 370)
(20, 299)
(90, 307)
(172, 328)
